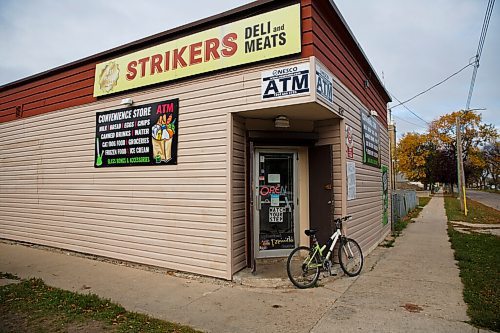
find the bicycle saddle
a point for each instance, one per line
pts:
(310, 232)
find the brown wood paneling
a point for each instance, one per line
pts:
(69, 88)
(306, 12)
(329, 43)
(9, 90)
(333, 45)
(61, 105)
(43, 87)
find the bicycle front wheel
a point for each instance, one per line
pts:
(350, 257)
(302, 267)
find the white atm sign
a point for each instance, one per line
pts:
(285, 82)
(324, 84)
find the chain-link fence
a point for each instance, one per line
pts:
(402, 202)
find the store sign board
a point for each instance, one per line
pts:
(324, 84)
(371, 139)
(142, 135)
(285, 82)
(273, 34)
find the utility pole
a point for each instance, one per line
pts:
(392, 150)
(460, 165)
(460, 160)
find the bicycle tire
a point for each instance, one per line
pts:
(301, 276)
(350, 257)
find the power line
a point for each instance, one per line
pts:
(482, 38)
(434, 86)
(409, 122)
(407, 108)
(486, 22)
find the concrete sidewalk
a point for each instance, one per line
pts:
(418, 274)
(203, 303)
(414, 287)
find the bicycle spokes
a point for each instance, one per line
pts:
(350, 257)
(303, 267)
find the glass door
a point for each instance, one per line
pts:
(276, 199)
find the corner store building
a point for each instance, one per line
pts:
(239, 186)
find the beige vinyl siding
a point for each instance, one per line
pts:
(176, 217)
(366, 209)
(366, 226)
(168, 216)
(239, 179)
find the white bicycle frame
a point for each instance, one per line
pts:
(335, 237)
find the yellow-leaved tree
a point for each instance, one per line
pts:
(475, 134)
(413, 153)
(431, 157)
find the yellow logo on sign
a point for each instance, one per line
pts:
(266, 36)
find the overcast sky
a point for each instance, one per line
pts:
(411, 44)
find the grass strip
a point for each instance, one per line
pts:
(46, 309)
(477, 212)
(478, 257)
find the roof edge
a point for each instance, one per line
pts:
(351, 34)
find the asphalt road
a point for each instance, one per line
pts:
(488, 199)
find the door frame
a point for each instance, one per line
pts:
(255, 193)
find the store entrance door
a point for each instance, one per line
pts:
(275, 190)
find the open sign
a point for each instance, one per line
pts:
(265, 190)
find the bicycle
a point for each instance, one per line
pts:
(305, 263)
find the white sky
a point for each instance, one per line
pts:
(411, 44)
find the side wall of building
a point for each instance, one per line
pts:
(366, 209)
(168, 216)
(356, 87)
(179, 216)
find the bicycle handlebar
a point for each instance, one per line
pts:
(343, 219)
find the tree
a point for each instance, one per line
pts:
(443, 165)
(413, 152)
(442, 132)
(491, 154)
(475, 168)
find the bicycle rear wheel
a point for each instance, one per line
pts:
(350, 257)
(302, 267)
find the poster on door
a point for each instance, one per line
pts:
(278, 241)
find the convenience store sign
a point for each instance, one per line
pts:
(265, 36)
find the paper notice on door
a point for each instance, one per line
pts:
(276, 214)
(275, 200)
(273, 178)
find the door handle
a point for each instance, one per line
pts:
(330, 202)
